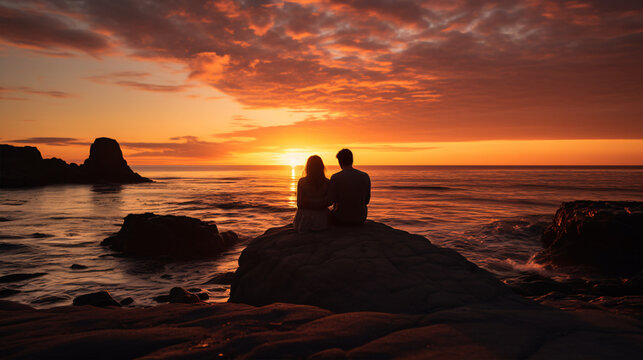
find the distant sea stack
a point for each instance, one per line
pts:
(24, 166)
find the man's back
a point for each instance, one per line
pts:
(350, 191)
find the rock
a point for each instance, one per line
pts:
(221, 279)
(100, 299)
(107, 165)
(24, 166)
(203, 296)
(77, 267)
(194, 290)
(48, 300)
(8, 292)
(605, 236)
(126, 301)
(20, 277)
(151, 235)
(3, 219)
(180, 295)
(13, 306)
(287, 331)
(38, 235)
(364, 268)
(162, 298)
(535, 285)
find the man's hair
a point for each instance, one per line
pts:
(345, 157)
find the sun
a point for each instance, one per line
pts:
(293, 158)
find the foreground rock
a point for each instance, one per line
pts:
(178, 295)
(366, 268)
(277, 331)
(100, 299)
(24, 166)
(180, 237)
(606, 236)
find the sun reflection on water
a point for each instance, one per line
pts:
(292, 198)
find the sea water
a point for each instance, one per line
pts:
(494, 216)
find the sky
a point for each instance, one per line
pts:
(463, 82)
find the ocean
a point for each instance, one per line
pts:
(492, 215)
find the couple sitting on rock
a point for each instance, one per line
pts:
(348, 191)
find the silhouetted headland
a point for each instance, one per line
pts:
(179, 237)
(24, 166)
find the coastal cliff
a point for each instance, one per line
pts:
(24, 166)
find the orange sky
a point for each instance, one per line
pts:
(529, 82)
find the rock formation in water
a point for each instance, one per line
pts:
(24, 166)
(364, 268)
(180, 237)
(605, 236)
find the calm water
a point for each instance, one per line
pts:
(492, 215)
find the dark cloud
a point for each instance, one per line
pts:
(31, 28)
(132, 79)
(180, 147)
(404, 70)
(32, 91)
(55, 141)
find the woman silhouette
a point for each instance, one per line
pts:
(312, 211)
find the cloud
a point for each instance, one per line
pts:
(24, 27)
(180, 147)
(132, 79)
(32, 91)
(403, 70)
(54, 141)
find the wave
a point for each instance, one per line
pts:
(420, 187)
(233, 205)
(10, 246)
(576, 188)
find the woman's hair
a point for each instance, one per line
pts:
(315, 170)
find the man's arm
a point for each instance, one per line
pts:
(368, 189)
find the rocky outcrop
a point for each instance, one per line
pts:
(99, 299)
(604, 236)
(24, 166)
(365, 268)
(287, 331)
(180, 237)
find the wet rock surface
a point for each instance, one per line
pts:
(365, 268)
(179, 237)
(24, 166)
(602, 236)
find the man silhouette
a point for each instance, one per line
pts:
(349, 192)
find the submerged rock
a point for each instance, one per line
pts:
(100, 299)
(24, 166)
(126, 301)
(178, 295)
(365, 268)
(77, 267)
(182, 237)
(606, 236)
(20, 277)
(221, 279)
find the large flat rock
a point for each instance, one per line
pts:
(286, 331)
(365, 268)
